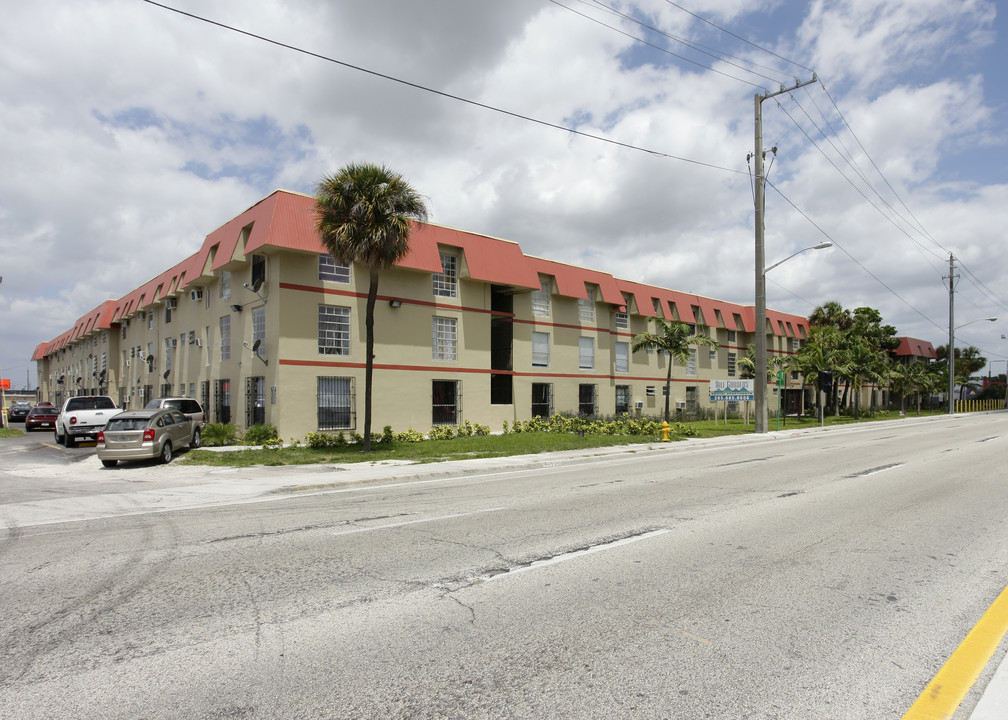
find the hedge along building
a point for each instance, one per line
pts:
(262, 326)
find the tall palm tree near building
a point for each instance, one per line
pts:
(365, 214)
(674, 338)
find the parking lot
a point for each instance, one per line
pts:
(33, 467)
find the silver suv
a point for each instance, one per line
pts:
(187, 406)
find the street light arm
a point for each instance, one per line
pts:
(820, 246)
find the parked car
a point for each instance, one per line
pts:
(41, 417)
(18, 411)
(146, 434)
(187, 406)
(83, 416)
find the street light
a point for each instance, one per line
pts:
(759, 385)
(951, 357)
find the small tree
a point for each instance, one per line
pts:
(674, 338)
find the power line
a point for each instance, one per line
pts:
(852, 258)
(441, 93)
(738, 37)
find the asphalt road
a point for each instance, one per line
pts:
(817, 575)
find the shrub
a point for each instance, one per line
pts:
(218, 434)
(441, 432)
(410, 436)
(320, 440)
(387, 435)
(259, 434)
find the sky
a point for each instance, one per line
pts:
(612, 135)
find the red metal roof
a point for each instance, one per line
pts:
(287, 220)
(912, 347)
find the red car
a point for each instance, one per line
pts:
(41, 417)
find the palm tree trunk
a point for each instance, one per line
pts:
(369, 358)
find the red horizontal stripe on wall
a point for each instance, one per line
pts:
(385, 298)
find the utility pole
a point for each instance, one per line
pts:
(760, 383)
(951, 345)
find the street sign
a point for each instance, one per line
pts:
(780, 378)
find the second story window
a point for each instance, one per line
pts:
(332, 271)
(444, 339)
(333, 330)
(731, 364)
(540, 349)
(622, 321)
(225, 284)
(259, 330)
(586, 308)
(446, 282)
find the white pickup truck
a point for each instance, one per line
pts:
(83, 416)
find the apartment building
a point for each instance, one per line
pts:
(262, 326)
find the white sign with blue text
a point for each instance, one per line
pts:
(731, 390)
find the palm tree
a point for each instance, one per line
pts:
(365, 214)
(675, 339)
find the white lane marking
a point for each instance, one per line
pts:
(414, 522)
(576, 554)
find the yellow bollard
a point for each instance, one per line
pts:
(664, 431)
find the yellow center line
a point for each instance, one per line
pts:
(948, 688)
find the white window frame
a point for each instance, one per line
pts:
(621, 357)
(444, 339)
(446, 282)
(541, 299)
(259, 329)
(331, 271)
(732, 358)
(622, 320)
(586, 308)
(225, 334)
(586, 353)
(333, 330)
(540, 349)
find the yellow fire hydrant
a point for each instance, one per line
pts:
(664, 431)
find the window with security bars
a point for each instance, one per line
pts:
(444, 340)
(541, 299)
(335, 402)
(255, 401)
(540, 349)
(222, 401)
(542, 399)
(622, 356)
(446, 402)
(332, 271)
(333, 330)
(586, 399)
(586, 308)
(446, 282)
(731, 364)
(691, 365)
(622, 399)
(586, 353)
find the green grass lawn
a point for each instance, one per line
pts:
(490, 446)
(428, 451)
(11, 432)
